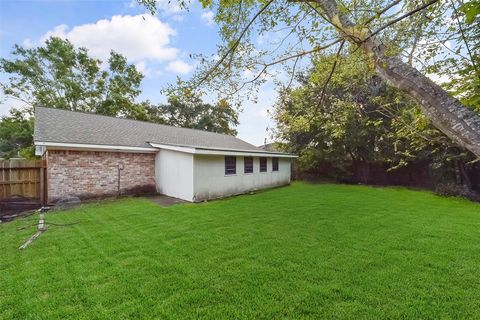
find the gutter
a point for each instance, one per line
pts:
(219, 151)
(42, 146)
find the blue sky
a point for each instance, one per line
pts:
(160, 46)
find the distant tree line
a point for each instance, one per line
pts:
(58, 75)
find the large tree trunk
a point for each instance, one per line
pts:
(447, 114)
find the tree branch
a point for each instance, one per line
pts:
(406, 15)
(417, 36)
(235, 45)
(293, 72)
(379, 13)
(324, 88)
(465, 39)
(291, 32)
(295, 56)
(321, 15)
(302, 53)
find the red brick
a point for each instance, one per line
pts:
(88, 174)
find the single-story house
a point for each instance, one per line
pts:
(89, 155)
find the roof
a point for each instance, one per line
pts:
(268, 147)
(69, 127)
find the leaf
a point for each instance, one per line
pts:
(471, 10)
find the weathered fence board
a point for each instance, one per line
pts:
(22, 179)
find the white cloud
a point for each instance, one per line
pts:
(28, 43)
(58, 31)
(178, 66)
(143, 68)
(148, 70)
(207, 17)
(139, 38)
(7, 103)
(169, 6)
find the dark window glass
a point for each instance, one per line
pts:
(263, 164)
(274, 164)
(230, 165)
(248, 164)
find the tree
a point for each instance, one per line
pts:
(361, 121)
(353, 122)
(16, 134)
(461, 63)
(187, 110)
(369, 26)
(58, 75)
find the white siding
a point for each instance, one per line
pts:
(210, 181)
(174, 174)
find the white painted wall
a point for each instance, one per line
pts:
(174, 174)
(210, 181)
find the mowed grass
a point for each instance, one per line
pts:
(299, 252)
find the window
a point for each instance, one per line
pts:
(263, 164)
(230, 165)
(274, 164)
(248, 164)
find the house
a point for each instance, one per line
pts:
(89, 155)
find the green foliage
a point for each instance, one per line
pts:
(58, 75)
(457, 58)
(16, 134)
(307, 251)
(189, 111)
(361, 119)
(471, 10)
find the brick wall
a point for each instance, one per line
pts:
(88, 174)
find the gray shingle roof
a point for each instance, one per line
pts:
(62, 126)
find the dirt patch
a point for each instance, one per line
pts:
(14, 207)
(165, 201)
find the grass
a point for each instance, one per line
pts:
(299, 252)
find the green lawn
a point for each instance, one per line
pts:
(304, 251)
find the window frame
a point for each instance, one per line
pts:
(260, 164)
(245, 165)
(228, 171)
(275, 164)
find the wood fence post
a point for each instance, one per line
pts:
(45, 182)
(42, 185)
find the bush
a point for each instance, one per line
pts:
(453, 189)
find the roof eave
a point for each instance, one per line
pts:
(92, 147)
(219, 151)
(48, 145)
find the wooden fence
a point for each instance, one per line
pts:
(23, 179)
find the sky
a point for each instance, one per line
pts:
(160, 46)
